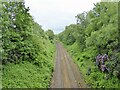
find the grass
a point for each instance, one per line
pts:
(25, 75)
(29, 75)
(86, 60)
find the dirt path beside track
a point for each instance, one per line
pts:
(66, 74)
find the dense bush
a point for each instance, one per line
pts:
(16, 32)
(21, 36)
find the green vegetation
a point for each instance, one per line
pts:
(27, 52)
(96, 33)
(50, 35)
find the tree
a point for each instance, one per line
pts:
(50, 34)
(16, 31)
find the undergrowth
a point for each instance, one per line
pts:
(30, 75)
(95, 78)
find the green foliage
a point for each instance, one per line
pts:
(16, 29)
(25, 75)
(67, 36)
(36, 74)
(27, 51)
(96, 32)
(50, 34)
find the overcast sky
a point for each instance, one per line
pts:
(56, 14)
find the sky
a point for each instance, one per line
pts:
(56, 14)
